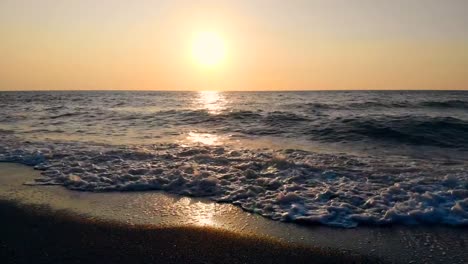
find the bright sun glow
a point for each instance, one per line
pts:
(209, 49)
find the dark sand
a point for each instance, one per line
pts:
(37, 235)
(49, 224)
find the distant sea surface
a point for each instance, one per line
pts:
(338, 158)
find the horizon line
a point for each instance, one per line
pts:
(155, 90)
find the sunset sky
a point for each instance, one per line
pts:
(233, 45)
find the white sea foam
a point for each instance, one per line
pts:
(288, 185)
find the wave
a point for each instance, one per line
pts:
(409, 118)
(65, 115)
(406, 129)
(446, 104)
(369, 105)
(204, 116)
(288, 185)
(413, 130)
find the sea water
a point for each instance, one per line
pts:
(340, 158)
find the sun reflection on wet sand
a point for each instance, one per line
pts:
(201, 213)
(192, 211)
(212, 101)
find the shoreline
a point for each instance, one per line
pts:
(177, 217)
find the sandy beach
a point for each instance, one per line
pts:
(37, 235)
(53, 224)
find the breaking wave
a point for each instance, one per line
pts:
(287, 185)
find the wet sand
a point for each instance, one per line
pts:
(37, 235)
(52, 224)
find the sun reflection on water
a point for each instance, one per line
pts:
(212, 101)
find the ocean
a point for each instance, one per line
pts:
(336, 158)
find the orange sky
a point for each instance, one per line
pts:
(270, 45)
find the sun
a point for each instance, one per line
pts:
(209, 49)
